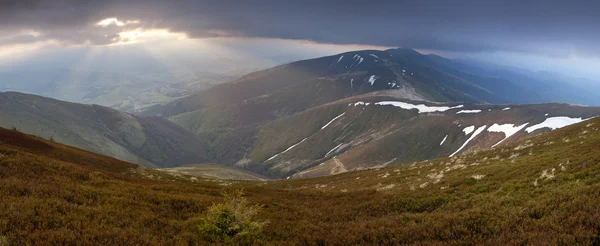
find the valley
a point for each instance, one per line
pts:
(542, 189)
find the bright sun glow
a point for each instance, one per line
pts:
(141, 35)
(114, 21)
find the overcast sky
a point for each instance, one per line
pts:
(540, 34)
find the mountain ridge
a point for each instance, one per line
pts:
(149, 141)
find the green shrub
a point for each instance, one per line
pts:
(232, 219)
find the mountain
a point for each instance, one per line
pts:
(374, 131)
(148, 141)
(539, 190)
(229, 117)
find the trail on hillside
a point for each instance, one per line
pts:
(339, 167)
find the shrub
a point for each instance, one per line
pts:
(3, 241)
(232, 219)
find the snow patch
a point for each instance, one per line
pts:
(469, 111)
(504, 109)
(422, 108)
(334, 148)
(361, 103)
(341, 57)
(444, 140)
(507, 129)
(477, 132)
(372, 80)
(331, 121)
(374, 56)
(554, 123)
(288, 149)
(469, 129)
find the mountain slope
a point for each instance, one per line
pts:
(370, 131)
(228, 117)
(148, 141)
(541, 190)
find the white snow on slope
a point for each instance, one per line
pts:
(334, 148)
(360, 103)
(477, 132)
(360, 61)
(341, 57)
(469, 129)
(504, 109)
(554, 123)
(469, 111)
(351, 85)
(372, 79)
(444, 140)
(288, 149)
(374, 56)
(422, 108)
(331, 121)
(507, 129)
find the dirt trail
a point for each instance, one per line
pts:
(339, 167)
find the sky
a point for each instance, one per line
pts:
(560, 36)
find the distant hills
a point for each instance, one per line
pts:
(148, 141)
(316, 117)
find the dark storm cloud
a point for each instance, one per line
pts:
(549, 27)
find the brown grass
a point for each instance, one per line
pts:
(53, 194)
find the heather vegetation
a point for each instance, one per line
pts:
(541, 190)
(234, 218)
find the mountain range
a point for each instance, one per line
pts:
(351, 111)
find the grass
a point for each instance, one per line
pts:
(53, 194)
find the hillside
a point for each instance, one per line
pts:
(404, 73)
(236, 119)
(148, 141)
(372, 130)
(540, 190)
(284, 90)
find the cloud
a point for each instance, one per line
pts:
(549, 27)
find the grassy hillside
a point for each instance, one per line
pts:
(234, 118)
(362, 134)
(212, 171)
(540, 190)
(148, 141)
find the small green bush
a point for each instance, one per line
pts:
(232, 219)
